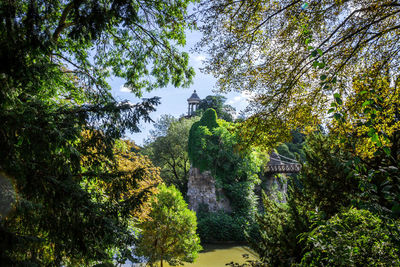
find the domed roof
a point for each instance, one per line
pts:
(194, 97)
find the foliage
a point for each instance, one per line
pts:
(276, 240)
(293, 54)
(56, 57)
(294, 148)
(351, 238)
(331, 181)
(370, 113)
(220, 226)
(367, 125)
(126, 188)
(216, 102)
(199, 136)
(213, 146)
(328, 178)
(170, 231)
(167, 149)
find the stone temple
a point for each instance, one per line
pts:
(193, 103)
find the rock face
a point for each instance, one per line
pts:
(275, 187)
(202, 190)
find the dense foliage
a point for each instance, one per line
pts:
(303, 61)
(167, 147)
(60, 123)
(216, 102)
(306, 230)
(170, 232)
(352, 238)
(293, 54)
(213, 146)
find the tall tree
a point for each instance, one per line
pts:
(293, 54)
(167, 148)
(170, 232)
(217, 102)
(56, 57)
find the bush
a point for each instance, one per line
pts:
(219, 226)
(352, 238)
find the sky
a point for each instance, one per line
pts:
(174, 100)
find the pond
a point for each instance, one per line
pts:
(216, 255)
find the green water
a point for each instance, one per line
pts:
(219, 255)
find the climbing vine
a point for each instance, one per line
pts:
(213, 146)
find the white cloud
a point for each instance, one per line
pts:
(124, 89)
(241, 99)
(199, 58)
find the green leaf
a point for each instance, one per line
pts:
(338, 99)
(386, 150)
(331, 110)
(314, 53)
(337, 116)
(323, 77)
(367, 110)
(375, 139)
(319, 51)
(367, 102)
(371, 132)
(20, 140)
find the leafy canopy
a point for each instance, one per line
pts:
(169, 234)
(60, 123)
(293, 54)
(216, 102)
(167, 147)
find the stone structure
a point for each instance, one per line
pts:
(193, 103)
(275, 187)
(202, 190)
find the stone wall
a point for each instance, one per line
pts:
(202, 190)
(275, 187)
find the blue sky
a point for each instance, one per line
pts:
(174, 100)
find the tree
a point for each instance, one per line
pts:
(351, 238)
(216, 102)
(56, 57)
(167, 148)
(336, 194)
(170, 232)
(293, 54)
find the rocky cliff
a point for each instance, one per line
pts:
(202, 190)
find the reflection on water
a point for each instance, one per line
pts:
(219, 255)
(215, 255)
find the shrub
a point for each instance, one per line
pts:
(351, 238)
(219, 226)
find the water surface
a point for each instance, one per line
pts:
(217, 255)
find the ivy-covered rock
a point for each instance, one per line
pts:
(213, 146)
(201, 138)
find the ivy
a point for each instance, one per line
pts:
(213, 146)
